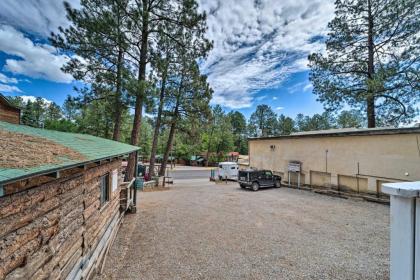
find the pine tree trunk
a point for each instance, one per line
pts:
(170, 139)
(168, 148)
(118, 104)
(172, 129)
(370, 108)
(371, 112)
(139, 98)
(157, 127)
(209, 145)
(134, 138)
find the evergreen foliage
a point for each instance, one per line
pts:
(371, 61)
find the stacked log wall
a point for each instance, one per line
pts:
(9, 114)
(54, 230)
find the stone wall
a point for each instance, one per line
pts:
(58, 230)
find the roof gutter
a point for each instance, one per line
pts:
(54, 170)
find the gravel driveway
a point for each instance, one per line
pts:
(200, 230)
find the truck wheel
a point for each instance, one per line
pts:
(255, 186)
(242, 186)
(277, 184)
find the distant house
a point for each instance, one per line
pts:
(8, 112)
(62, 198)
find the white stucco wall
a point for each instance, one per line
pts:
(374, 157)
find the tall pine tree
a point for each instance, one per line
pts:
(152, 19)
(372, 60)
(263, 122)
(98, 37)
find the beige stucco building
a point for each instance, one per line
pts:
(357, 159)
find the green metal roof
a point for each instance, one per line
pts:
(91, 147)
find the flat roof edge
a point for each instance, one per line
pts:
(396, 131)
(403, 189)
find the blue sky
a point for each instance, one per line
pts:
(294, 96)
(259, 54)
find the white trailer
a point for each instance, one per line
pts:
(227, 170)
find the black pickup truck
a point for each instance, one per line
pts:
(256, 179)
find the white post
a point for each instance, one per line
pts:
(405, 230)
(299, 180)
(417, 241)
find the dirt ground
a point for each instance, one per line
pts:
(200, 230)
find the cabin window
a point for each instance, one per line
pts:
(233, 167)
(104, 189)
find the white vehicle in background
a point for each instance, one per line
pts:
(227, 170)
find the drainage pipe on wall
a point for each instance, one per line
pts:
(357, 177)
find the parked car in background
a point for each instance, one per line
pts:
(256, 179)
(227, 170)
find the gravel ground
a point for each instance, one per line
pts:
(181, 174)
(199, 230)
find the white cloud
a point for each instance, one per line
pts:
(35, 16)
(8, 88)
(26, 98)
(261, 97)
(279, 108)
(258, 44)
(35, 60)
(274, 98)
(299, 87)
(7, 80)
(38, 18)
(308, 87)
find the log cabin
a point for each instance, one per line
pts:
(62, 199)
(8, 112)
